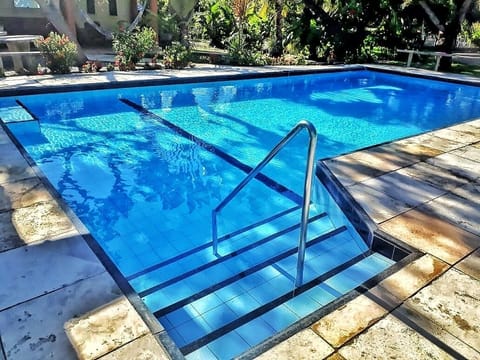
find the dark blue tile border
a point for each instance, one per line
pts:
(243, 274)
(272, 184)
(208, 244)
(270, 305)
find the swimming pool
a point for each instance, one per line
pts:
(144, 167)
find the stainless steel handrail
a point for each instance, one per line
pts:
(307, 190)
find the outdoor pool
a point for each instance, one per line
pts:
(143, 168)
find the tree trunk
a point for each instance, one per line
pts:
(451, 32)
(278, 46)
(153, 23)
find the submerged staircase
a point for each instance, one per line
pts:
(224, 297)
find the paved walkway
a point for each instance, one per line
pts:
(57, 301)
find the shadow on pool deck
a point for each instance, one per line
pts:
(423, 190)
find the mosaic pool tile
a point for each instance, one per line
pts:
(279, 318)
(255, 331)
(228, 346)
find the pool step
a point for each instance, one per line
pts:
(226, 336)
(335, 262)
(285, 260)
(275, 221)
(263, 236)
(15, 112)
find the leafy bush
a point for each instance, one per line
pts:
(176, 56)
(132, 46)
(59, 52)
(475, 33)
(239, 55)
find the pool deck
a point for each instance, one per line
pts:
(57, 301)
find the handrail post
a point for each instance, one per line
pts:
(307, 193)
(307, 190)
(214, 232)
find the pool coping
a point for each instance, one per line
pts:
(208, 77)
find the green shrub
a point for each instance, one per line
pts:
(132, 46)
(475, 33)
(59, 52)
(238, 54)
(176, 56)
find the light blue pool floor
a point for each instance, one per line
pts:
(241, 297)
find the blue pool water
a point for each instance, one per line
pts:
(144, 167)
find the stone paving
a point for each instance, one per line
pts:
(57, 301)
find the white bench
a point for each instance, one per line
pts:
(438, 55)
(14, 54)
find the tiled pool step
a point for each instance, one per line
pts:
(14, 111)
(279, 217)
(250, 317)
(206, 301)
(229, 246)
(237, 269)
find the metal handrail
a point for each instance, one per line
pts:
(307, 189)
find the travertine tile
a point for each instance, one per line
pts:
(349, 320)
(391, 338)
(434, 142)
(408, 280)
(335, 356)
(9, 238)
(432, 235)
(462, 212)
(404, 188)
(470, 153)
(42, 221)
(457, 165)
(378, 206)
(434, 332)
(471, 265)
(416, 151)
(12, 164)
(4, 139)
(143, 348)
(350, 171)
(453, 302)
(467, 128)
(457, 136)
(22, 193)
(474, 123)
(384, 158)
(105, 329)
(433, 175)
(304, 345)
(39, 269)
(35, 328)
(470, 191)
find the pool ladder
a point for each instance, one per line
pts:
(307, 190)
